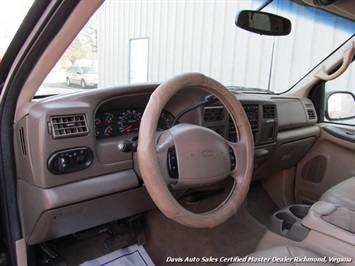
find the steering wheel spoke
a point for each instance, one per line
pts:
(240, 153)
(164, 147)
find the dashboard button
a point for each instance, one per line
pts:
(172, 163)
(61, 164)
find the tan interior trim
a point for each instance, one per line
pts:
(343, 8)
(347, 58)
(21, 252)
(314, 221)
(316, 242)
(336, 153)
(304, 86)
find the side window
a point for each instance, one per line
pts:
(340, 99)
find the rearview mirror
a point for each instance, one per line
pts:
(340, 105)
(263, 23)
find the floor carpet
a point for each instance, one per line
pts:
(166, 239)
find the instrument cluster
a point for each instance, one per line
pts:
(126, 121)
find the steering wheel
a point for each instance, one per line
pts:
(188, 155)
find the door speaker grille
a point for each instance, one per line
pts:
(313, 171)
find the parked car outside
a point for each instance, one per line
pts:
(84, 76)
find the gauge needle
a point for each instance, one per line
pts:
(126, 128)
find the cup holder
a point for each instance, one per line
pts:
(300, 211)
(288, 222)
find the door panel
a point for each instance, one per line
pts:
(342, 133)
(330, 161)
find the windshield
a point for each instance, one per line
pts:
(151, 41)
(11, 15)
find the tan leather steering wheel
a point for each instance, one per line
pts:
(202, 155)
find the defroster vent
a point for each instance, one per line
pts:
(269, 111)
(214, 113)
(68, 126)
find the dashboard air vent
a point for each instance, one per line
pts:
(269, 111)
(311, 114)
(214, 113)
(68, 126)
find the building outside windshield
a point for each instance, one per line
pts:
(151, 41)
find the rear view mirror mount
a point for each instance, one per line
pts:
(263, 23)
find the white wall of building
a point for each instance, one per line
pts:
(201, 36)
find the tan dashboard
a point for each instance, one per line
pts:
(73, 176)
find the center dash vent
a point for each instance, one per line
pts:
(311, 114)
(269, 111)
(214, 113)
(68, 126)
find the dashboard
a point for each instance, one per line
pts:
(77, 178)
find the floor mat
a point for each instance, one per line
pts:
(168, 240)
(130, 256)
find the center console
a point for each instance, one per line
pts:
(323, 228)
(334, 221)
(288, 222)
(296, 221)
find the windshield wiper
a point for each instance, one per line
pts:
(248, 89)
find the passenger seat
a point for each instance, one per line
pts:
(342, 194)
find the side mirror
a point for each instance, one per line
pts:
(263, 23)
(340, 105)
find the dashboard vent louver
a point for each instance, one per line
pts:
(269, 111)
(68, 126)
(311, 114)
(213, 114)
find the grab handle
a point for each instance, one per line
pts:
(347, 57)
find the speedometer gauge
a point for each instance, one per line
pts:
(129, 121)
